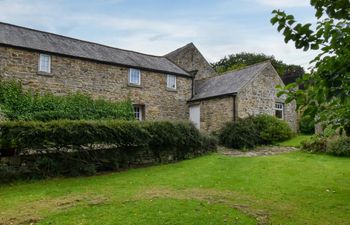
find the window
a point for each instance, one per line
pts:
(45, 63)
(171, 82)
(279, 110)
(138, 112)
(135, 76)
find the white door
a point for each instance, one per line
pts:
(195, 115)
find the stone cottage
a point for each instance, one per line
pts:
(178, 86)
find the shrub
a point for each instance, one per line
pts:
(240, 134)
(208, 143)
(73, 148)
(18, 104)
(271, 129)
(317, 143)
(253, 131)
(339, 147)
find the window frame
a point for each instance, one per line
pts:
(130, 77)
(40, 66)
(140, 112)
(279, 106)
(168, 79)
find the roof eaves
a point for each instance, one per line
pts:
(211, 97)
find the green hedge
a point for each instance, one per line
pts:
(72, 148)
(18, 104)
(254, 131)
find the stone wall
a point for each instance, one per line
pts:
(260, 96)
(98, 80)
(190, 59)
(215, 112)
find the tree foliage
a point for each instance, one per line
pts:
(289, 73)
(327, 93)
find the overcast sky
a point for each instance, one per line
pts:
(216, 27)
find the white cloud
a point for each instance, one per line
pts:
(284, 3)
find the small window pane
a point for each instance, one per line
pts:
(279, 110)
(138, 112)
(171, 81)
(279, 114)
(134, 76)
(45, 63)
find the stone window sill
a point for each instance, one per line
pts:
(40, 73)
(134, 85)
(171, 90)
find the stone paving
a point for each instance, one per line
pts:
(259, 151)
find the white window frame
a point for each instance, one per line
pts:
(44, 68)
(131, 70)
(138, 112)
(279, 107)
(169, 81)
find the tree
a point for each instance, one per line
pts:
(327, 88)
(288, 73)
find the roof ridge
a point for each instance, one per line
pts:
(247, 67)
(80, 40)
(252, 78)
(230, 83)
(178, 49)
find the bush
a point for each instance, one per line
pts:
(73, 148)
(339, 147)
(253, 131)
(271, 129)
(18, 104)
(332, 145)
(240, 134)
(317, 143)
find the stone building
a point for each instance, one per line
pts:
(178, 86)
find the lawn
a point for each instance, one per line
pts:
(295, 141)
(292, 188)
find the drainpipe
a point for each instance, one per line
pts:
(193, 74)
(234, 108)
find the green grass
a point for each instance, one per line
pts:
(292, 188)
(295, 141)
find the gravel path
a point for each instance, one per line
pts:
(259, 151)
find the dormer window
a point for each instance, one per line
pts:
(134, 76)
(171, 82)
(45, 63)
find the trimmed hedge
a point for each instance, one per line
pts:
(254, 131)
(18, 104)
(72, 148)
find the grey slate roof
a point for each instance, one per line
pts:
(17, 36)
(228, 83)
